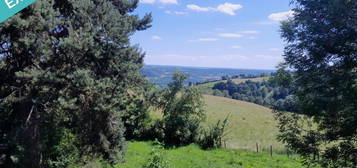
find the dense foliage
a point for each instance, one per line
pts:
(266, 93)
(67, 70)
(321, 48)
(182, 109)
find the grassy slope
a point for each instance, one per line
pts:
(248, 123)
(193, 157)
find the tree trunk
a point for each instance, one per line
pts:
(30, 135)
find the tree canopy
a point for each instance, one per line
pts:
(321, 49)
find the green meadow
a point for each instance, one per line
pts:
(248, 123)
(193, 157)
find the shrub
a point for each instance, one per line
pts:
(156, 159)
(213, 137)
(182, 109)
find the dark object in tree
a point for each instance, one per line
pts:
(182, 109)
(321, 49)
(66, 68)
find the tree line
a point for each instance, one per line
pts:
(266, 93)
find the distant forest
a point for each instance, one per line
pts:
(162, 75)
(265, 93)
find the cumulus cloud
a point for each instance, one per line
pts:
(203, 40)
(281, 16)
(198, 8)
(156, 37)
(227, 8)
(231, 35)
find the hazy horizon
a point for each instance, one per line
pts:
(203, 67)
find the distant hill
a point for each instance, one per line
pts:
(161, 75)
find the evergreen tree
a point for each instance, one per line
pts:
(321, 49)
(67, 66)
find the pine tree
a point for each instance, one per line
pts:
(67, 65)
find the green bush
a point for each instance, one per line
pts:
(213, 137)
(182, 109)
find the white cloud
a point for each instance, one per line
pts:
(227, 8)
(176, 12)
(168, 1)
(204, 40)
(198, 8)
(281, 16)
(147, 1)
(231, 35)
(250, 32)
(155, 37)
(237, 47)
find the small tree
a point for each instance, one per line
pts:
(182, 112)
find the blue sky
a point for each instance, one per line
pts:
(213, 33)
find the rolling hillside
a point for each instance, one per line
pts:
(248, 123)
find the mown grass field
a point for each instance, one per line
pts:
(193, 157)
(249, 123)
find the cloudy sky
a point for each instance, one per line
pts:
(213, 33)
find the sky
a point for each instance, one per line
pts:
(213, 33)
